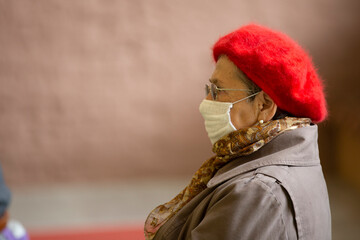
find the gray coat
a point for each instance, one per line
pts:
(278, 192)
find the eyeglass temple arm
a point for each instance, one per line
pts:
(227, 89)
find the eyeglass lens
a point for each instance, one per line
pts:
(207, 90)
(212, 90)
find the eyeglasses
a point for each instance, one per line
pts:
(213, 90)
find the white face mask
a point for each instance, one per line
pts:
(217, 117)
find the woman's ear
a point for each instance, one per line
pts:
(267, 107)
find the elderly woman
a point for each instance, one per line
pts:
(265, 180)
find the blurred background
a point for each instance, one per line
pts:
(99, 118)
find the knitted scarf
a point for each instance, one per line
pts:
(238, 143)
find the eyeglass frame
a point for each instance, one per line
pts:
(213, 89)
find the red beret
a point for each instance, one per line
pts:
(279, 66)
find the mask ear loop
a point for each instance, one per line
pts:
(228, 113)
(246, 97)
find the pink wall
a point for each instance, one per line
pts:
(94, 90)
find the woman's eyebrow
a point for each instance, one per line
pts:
(214, 81)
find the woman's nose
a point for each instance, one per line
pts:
(208, 97)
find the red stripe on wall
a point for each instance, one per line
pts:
(129, 233)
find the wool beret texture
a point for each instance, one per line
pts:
(279, 66)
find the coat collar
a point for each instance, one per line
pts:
(293, 148)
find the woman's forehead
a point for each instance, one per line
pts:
(225, 72)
